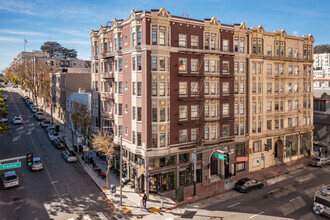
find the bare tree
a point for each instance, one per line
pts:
(103, 142)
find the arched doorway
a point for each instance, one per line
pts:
(278, 150)
(214, 165)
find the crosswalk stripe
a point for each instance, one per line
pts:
(86, 217)
(71, 219)
(102, 216)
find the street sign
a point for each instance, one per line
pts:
(219, 156)
(193, 158)
(10, 166)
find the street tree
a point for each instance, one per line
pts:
(54, 48)
(102, 141)
(4, 128)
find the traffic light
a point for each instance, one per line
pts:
(29, 159)
(125, 166)
(189, 168)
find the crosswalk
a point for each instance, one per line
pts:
(87, 217)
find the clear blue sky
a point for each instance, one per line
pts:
(69, 21)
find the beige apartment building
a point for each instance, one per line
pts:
(280, 103)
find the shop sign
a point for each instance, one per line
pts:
(242, 159)
(140, 171)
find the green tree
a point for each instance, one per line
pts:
(51, 47)
(4, 128)
(69, 53)
(325, 48)
(103, 142)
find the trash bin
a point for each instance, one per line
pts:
(179, 193)
(113, 188)
(57, 128)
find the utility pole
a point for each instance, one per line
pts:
(121, 169)
(195, 161)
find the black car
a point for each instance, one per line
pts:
(246, 185)
(59, 143)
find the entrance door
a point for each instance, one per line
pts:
(214, 165)
(276, 150)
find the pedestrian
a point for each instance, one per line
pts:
(326, 152)
(145, 201)
(230, 178)
(309, 152)
(320, 151)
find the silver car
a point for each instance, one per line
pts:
(39, 116)
(17, 120)
(319, 161)
(69, 156)
(9, 179)
(37, 164)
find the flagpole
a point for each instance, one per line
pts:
(24, 44)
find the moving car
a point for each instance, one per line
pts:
(9, 179)
(59, 143)
(45, 123)
(39, 116)
(69, 156)
(319, 161)
(246, 185)
(37, 164)
(322, 202)
(52, 135)
(17, 120)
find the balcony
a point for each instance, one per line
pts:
(107, 115)
(107, 96)
(190, 98)
(108, 76)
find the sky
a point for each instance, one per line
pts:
(69, 22)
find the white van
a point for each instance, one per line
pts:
(322, 202)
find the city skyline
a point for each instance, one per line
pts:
(69, 23)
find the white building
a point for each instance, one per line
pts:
(321, 60)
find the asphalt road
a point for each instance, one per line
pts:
(290, 198)
(60, 191)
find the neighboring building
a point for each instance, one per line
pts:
(171, 85)
(280, 102)
(321, 60)
(78, 99)
(25, 55)
(322, 116)
(64, 83)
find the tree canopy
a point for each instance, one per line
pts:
(325, 48)
(54, 48)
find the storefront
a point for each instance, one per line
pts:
(291, 146)
(305, 143)
(162, 182)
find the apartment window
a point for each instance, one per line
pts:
(206, 133)
(225, 45)
(120, 43)
(254, 68)
(269, 50)
(182, 40)
(154, 140)
(225, 110)
(206, 88)
(241, 106)
(269, 106)
(276, 106)
(225, 67)
(162, 115)
(254, 87)
(154, 35)
(259, 68)
(154, 114)
(269, 87)
(139, 88)
(296, 70)
(236, 87)
(213, 41)
(241, 45)
(206, 111)
(290, 122)
(153, 89)
(241, 88)
(154, 63)
(139, 113)
(194, 134)
(290, 52)
(236, 129)
(162, 89)
(120, 88)
(213, 135)
(236, 66)
(194, 65)
(282, 69)
(133, 37)
(236, 109)
(295, 122)
(182, 65)
(225, 88)
(194, 42)
(162, 64)
(254, 127)
(133, 64)
(257, 147)
(289, 104)
(194, 88)
(241, 67)
(139, 35)
(139, 138)
(194, 111)
(296, 87)
(212, 66)
(259, 107)
(290, 69)
(183, 135)
(183, 89)
(133, 89)
(120, 109)
(289, 87)
(213, 111)
(269, 68)
(296, 103)
(257, 44)
(126, 108)
(269, 124)
(183, 114)
(139, 64)
(213, 88)
(296, 53)
(225, 130)
(242, 128)
(206, 66)
(133, 112)
(259, 126)
(162, 38)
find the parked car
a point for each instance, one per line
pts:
(5, 97)
(28, 103)
(319, 161)
(32, 106)
(15, 86)
(4, 119)
(59, 143)
(39, 116)
(37, 164)
(34, 109)
(246, 185)
(17, 120)
(69, 156)
(9, 179)
(50, 128)
(45, 123)
(52, 135)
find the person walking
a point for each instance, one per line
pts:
(145, 200)
(230, 178)
(309, 152)
(320, 151)
(326, 152)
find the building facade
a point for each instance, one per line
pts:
(321, 60)
(322, 117)
(280, 90)
(169, 86)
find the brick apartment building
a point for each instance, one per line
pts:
(170, 86)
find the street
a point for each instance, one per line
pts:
(60, 191)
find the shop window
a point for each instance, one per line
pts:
(240, 166)
(257, 146)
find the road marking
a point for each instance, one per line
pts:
(86, 217)
(233, 205)
(102, 216)
(304, 179)
(294, 198)
(256, 215)
(274, 190)
(71, 219)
